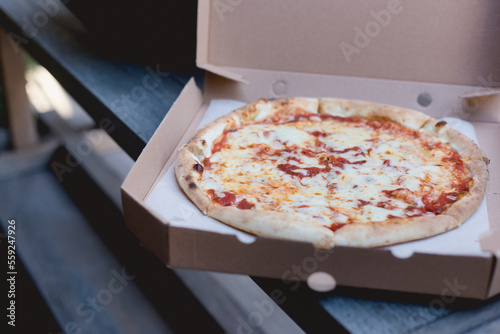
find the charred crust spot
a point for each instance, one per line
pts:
(198, 168)
(203, 142)
(188, 177)
(192, 185)
(441, 123)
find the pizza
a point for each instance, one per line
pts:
(333, 172)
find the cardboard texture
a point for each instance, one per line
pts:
(441, 59)
(450, 42)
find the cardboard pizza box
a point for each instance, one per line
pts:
(441, 59)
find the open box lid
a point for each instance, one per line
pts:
(411, 48)
(451, 42)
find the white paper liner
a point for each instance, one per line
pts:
(169, 201)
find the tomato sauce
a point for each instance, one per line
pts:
(245, 205)
(439, 205)
(385, 205)
(206, 163)
(310, 171)
(417, 212)
(339, 162)
(336, 226)
(355, 148)
(332, 187)
(391, 127)
(226, 200)
(217, 146)
(457, 162)
(350, 119)
(362, 202)
(308, 153)
(319, 134)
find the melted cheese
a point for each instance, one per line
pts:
(369, 174)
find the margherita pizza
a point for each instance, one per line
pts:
(333, 172)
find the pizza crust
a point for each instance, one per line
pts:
(477, 164)
(393, 231)
(188, 175)
(189, 169)
(410, 118)
(275, 225)
(467, 205)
